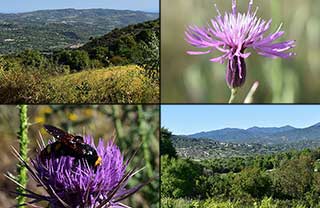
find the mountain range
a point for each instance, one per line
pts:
(51, 29)
(263, 135)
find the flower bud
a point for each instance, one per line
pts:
(236, 72)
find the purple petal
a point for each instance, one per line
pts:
(198, 52)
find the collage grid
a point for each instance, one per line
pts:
(159, 103)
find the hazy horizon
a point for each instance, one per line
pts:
(190, 119)
(18, 12)
(17, 6)
(248, 128)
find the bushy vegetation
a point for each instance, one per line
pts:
(137, 44)
(286, 179)
(123, 84)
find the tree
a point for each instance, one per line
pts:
(32, 58)
(80, 60)
(178, 177)
(294, 178)
(166, 147)
(77, 60)
(217, 185)
(101, 54)
(148, 54)
(252, 181)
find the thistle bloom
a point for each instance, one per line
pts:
(232, 34)
(75, 184)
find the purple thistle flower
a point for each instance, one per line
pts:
(70, 183)
(232, 34)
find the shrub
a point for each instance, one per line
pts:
(178, 177)
(118, 60)
(125, 84)
(77, 60)
(32, 59)
(21, 87)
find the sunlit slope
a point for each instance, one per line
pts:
(121, 84)
(109, 85)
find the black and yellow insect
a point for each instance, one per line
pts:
(70, 145)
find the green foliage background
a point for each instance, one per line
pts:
(194, 79)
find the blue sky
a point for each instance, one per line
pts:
(31, 5)
(187, 119)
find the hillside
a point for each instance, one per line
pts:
(91, 74)
(139, 32)
(121, 84)
(135, 44)
(51, 29)
(132, 44)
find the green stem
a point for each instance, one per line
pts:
(143, 131)
(233, 94)
(116, 114)
(23, 141)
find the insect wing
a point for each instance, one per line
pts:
(59, 134)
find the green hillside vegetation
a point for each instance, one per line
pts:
(122, 84)
(70, 76)
(132, 44)
(285, 179)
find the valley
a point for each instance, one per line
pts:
(47, 30)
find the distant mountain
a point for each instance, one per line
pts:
(227, 134)
(270, 135)
(51, 29)
(269, 130)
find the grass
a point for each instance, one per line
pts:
(121, 84)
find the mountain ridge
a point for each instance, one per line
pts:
(256, 134)
(70, 9)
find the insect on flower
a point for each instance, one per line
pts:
(70, 145)
(73, 175)
(233, 33)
